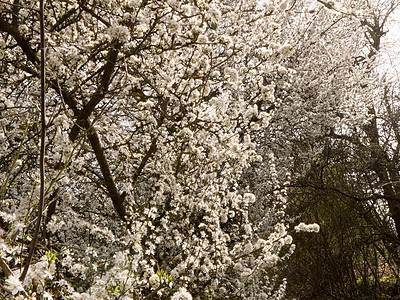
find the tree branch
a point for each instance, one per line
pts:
(105, 170)
(42, 142)
(100, 93)
(21, 41)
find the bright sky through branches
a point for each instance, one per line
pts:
(391, 49)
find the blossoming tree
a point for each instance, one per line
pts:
(150, 106)
(336, 134)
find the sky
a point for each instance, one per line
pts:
(391, 47)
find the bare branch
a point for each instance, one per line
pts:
(42, 142)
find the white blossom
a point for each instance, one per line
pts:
(307, 227)
(14, 285)
(182, 294)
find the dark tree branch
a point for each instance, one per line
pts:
(93, 14)
(105, 170)
(101, 91)
(152, 149)
(67, 96)
(21, 41)
(83, 115)
(63, 19)
(15, 12)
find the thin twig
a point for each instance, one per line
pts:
(42, 142)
